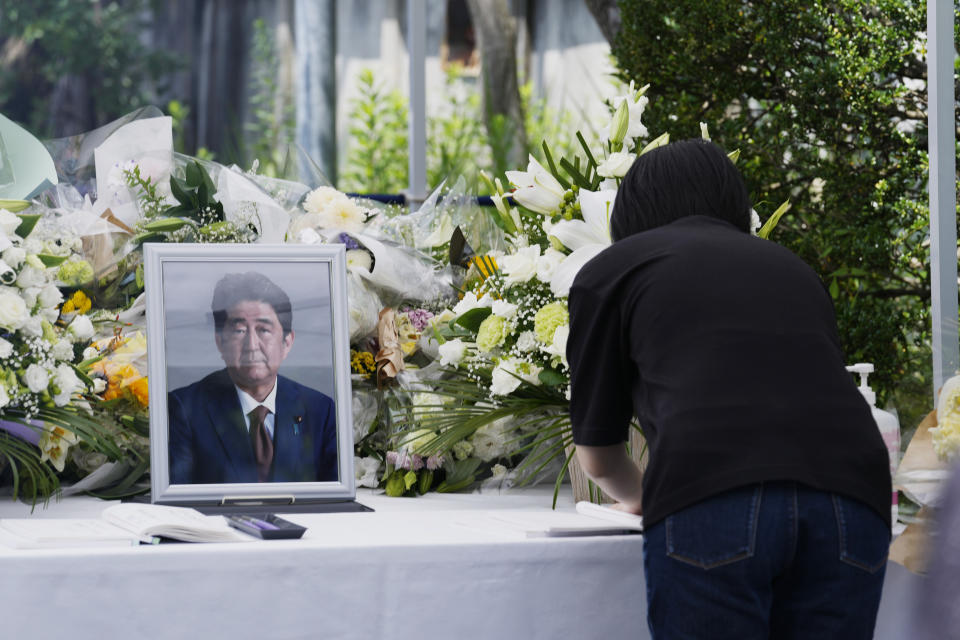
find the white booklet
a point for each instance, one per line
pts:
(122, 524)
(554, 524)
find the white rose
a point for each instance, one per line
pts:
(36, 378)
(470, 302)
(50, 296)
(9, 222)
(14, 256)
(81, 328)
(452, 352)
(67, 381)
(616, 165)
(50, 315)
(6, 349)
(13, 310)
(359, 259)
(8, 275)
(520, 266)
(502, 382)
(508, 374)
(29, 296)
(548, 263)
(63, 350)
(504, 309)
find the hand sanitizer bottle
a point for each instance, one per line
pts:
(887, 423)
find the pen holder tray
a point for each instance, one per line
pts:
(267, 527)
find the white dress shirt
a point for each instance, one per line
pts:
(248, 403)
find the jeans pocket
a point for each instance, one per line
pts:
(864, 536)
(718, 531)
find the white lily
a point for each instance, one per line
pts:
(586, 237)
(636, 104)
(616, 165)
(537, 189)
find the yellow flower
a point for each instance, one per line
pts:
(54, 444)
(362, 363)
(79, 302)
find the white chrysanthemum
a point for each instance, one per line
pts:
(359, 259)
(36, 378)
(320, 198)
(13, 309)
(302, 223)
(343, 215)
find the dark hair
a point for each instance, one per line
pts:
(234, 288)
(686, 178)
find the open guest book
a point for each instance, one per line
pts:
(589, 520)
(119, 525)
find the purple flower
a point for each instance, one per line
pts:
(348, 241)
(392, 458)
(419, 318)
(417, 463)
(434, 462)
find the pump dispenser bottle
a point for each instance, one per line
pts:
(887, 423)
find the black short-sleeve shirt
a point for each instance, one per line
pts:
(725, 348)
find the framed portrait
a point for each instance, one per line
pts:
(250, 401)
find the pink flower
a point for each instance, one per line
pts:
(434, 462)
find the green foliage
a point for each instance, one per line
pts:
(376, 160)
(817, 98)
(94, 42)
(271, 130)
(459, 144)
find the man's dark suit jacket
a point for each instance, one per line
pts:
(210, 443)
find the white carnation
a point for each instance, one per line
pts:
(33, 326)
(81, 328)
(452, 352)
(527, 341)
(14, 256)
(13, 309)
(36, 378)
(63, 350)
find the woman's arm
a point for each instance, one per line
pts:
(612, 469)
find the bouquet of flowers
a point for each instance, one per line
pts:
(44, 391)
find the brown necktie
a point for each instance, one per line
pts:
(262, 444)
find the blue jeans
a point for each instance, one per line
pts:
(774, 560)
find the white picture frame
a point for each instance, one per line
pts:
(186, 351)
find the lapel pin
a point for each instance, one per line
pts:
(296, 424)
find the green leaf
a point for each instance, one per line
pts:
(425, 481)
(29, 221)
(551, 378)
(472, 319)
(553, 168)
(410, 479)
(51, 261)
(834, 289)
(13, 206)
(734, 156)
(180, 190)
(165, 224)
(772, 221)
(395, 486)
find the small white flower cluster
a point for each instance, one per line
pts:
(36, 356)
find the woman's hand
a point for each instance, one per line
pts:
(613, 471)
(628, 507)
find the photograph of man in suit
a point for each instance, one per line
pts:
(246, 423)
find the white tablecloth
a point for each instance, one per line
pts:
(411, 569)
